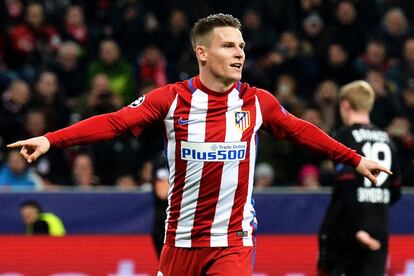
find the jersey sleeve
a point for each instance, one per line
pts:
(132, 118)
(283, 125)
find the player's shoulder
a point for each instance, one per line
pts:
(342, 132)
(262, 94)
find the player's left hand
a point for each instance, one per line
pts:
(371, 169)
(367, 241)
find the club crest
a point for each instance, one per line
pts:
(242, 119)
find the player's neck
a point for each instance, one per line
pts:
(215, 84)
(359, 118)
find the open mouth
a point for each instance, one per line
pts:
(236, 65)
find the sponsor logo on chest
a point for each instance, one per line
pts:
(213, 151)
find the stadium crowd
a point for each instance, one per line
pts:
(63, 61)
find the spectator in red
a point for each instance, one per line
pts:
(74, 25)
(33, 42)
(153, 67)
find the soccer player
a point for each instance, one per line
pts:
(354, 235)
(211, 123)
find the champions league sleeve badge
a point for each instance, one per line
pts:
(137, 102)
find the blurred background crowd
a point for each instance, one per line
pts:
(63, 61)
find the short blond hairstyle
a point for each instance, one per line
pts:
(359, 94)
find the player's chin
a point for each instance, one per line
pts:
(235, 76)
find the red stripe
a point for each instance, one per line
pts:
(240, 197)
(211, 175)
(181, 133)
(345, 177)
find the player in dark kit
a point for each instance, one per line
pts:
(353, 238)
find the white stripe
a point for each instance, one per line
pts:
(170, 133)
(229, 177)
(248, 207)
(196, 133)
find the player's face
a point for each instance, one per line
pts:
(224, 54)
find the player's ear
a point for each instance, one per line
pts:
(344, 105)
(201, 53)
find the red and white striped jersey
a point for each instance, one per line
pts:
(211, 152)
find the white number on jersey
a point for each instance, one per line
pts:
(381, 153)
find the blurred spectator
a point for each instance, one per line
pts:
(48, 97)
(13, 108)
(408, 102)
(146, 175)
(393, 31)
(11, 11)
(302, 156)
(83, 172)
(33, 42)
(258, 36)
(129, 25)
(74, 26)
(175, 37)
(400, 130)
(258, 72)
(116, 158)
(70, 72)
(309, 177)
(15, 174)
(293, 56)
(347, 30)
(119, 72)
(285, 92)
(152, 67)
(313, 31)
(403, 72)
(53, 167)
(313, 115)
(326, 99)
(39, 222)
(100, 99)
(264, 176)
(125, 183)
(386, 99)
(338, 66)
(375, 57)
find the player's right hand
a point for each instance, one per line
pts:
(32, 148)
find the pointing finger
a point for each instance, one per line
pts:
(387, 171)
(16, 144)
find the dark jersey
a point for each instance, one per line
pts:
(356, 203)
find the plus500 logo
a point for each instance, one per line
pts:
(210, 152)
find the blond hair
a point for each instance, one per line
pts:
(359, 94)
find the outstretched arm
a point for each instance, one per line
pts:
(282, 124)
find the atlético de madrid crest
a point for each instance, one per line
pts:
(242, 119)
